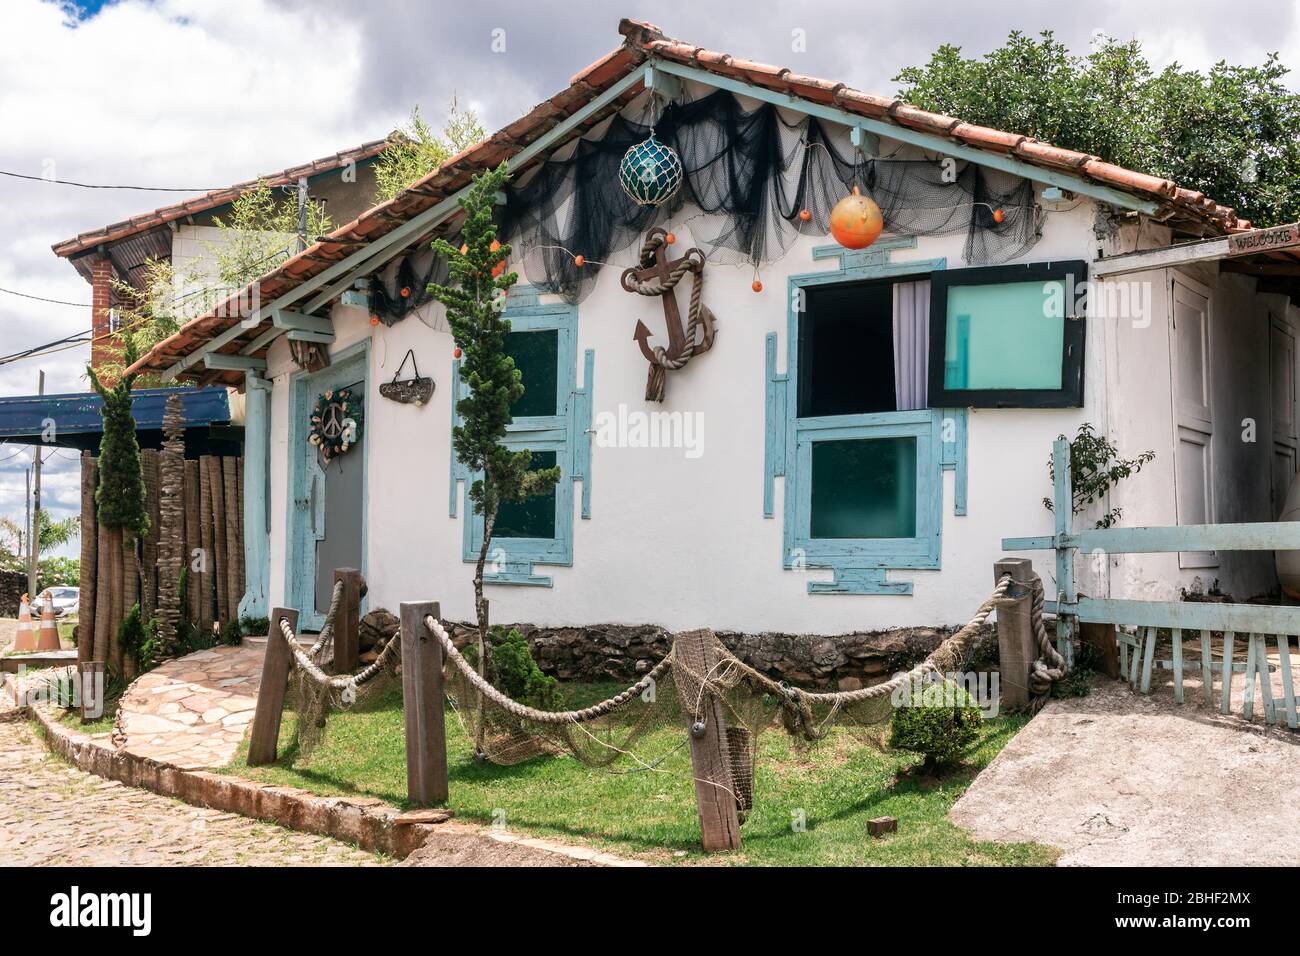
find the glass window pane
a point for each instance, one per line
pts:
(1004, 336)
(536, 354)
(846, 350)
(533, 517)
(864, 488)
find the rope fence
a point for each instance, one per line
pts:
(723, 703)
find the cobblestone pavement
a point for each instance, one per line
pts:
(53, 814)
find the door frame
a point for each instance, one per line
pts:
(1193, 424)
(348, 365)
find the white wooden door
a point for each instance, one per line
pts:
(1282, 376)
(1193, 415)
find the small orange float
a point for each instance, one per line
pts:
(856, 221)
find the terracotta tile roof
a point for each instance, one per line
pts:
(211, 200)
(642, 42)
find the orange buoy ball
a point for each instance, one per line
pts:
(579, 261)
(464, 250)
(999, 215)
(670, 238)
(374, 320)
(757, 286)
(495, 247)
(499, 268)
(457, 353)
(406, 292)
(856, 221)
(804, 215)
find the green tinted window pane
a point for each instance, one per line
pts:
(864, 488)
(533, 517)
(1004, 335)
(536, 354)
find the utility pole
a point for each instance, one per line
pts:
(302, 214)
(34, 535)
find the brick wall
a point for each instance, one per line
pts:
(101, 273)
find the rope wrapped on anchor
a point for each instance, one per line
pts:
(699, 315)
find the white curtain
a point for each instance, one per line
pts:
(911, 343)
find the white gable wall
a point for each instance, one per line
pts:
(672, 540)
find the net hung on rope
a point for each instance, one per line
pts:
(618, 734)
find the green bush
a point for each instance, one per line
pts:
(512, 670)
(131, 634)
(938, 721)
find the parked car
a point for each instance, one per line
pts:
(66, 600)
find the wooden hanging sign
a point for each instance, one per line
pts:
(408, 391)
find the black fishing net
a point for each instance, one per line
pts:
(748, 174)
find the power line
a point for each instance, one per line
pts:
(150, 189)
(41, 298)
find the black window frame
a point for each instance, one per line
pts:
(1069, 395)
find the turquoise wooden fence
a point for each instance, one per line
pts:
(1137, 622)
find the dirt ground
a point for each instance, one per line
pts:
(1118, 778)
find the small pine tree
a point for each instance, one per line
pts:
(475, 301)
(119, 499)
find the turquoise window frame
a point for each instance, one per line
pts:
(567, 433)
(860, 565)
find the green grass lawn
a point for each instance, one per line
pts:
(836, 787)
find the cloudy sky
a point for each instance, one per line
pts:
(195, 94)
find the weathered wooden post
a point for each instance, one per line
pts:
(714, 789)
(91, 690)
(1017, 647)
(270, 694)
(347, 627)
(426, 731)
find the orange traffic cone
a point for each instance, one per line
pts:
(25, 638)
(48, 638)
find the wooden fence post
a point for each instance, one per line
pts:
(714, 788)
(270, 693)
(347, 627)
(91, 690)
(426, 732)
(1017, 647)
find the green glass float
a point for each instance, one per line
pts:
(650, 172)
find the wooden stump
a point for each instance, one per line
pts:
(1017, 647)
(91, 690)
(348, 625)
(422, 701)
(694, 656)
(265, 734)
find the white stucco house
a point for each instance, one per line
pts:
(867, 425)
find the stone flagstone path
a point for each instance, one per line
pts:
(193, 712)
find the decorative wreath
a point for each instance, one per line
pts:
(335, 423)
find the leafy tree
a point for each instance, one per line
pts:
(56, 572)
(475, 303)
(1095, 468)
(415, 150)
(1232, 132)
(151, 313)
(260, 230)
(53, 534)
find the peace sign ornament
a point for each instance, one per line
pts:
(335, 423)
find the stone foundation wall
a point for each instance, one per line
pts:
(623, 652)
(12, 586)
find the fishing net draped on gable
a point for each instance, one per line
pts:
(749, 173)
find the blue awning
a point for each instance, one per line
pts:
(23, 418)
